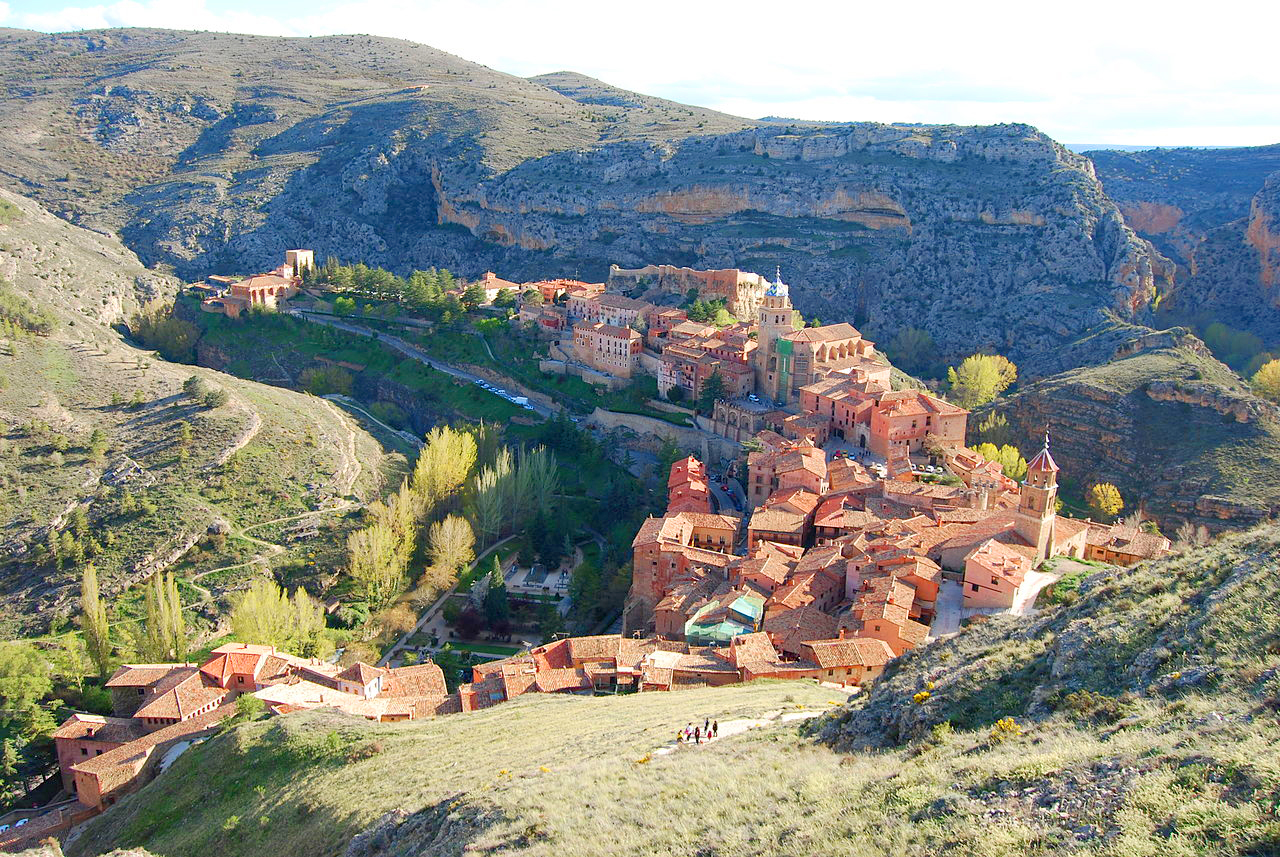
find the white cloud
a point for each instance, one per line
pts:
(1093, 70)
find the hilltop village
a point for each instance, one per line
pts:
(858, 526)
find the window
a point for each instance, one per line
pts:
(140, 691)
(831, 672)
(995, 581)
(97, 752)
(973, 586)
(84, 751)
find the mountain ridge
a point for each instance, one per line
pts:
(206, 150)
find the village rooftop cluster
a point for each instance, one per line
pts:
(844, 558)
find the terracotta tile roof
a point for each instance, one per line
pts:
(117, 767)
(1043, 461)
(141, 675)
(998, 560)
(786, 553)
(751, 649)
(1065, 528)
(707, 520)
(420, 680)
(180, 695)
(887, 590)
(360, 673)
(1128, 540)
(777, 520)
(115, 730)
(769, 567)
(851, 652)
(552, 681)
(824, 333)
(794, 627)
(604, 646)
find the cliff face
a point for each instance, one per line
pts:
(1263, 235)
(1164, 421)
(1216, 213)
(373, 149)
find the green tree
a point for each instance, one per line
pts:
(497, 609)
(93, 622)
(451, 544)
(1104, 498)
(1011, 460)
(980, 378)
(912, 350)
(713, 389)
(532, 297)
(156, 327)
(265, 614)
(1266, 381)
(24, 681)
(668, 454)
(97, 446)
(473, 296)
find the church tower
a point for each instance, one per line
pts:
(1037, 502)
(772, 357)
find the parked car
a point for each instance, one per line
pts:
(21, 822)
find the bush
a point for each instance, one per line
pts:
(1004, 729)
(249, 706)
(216, 398)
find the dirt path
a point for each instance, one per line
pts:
(349, 471)
(729, 728)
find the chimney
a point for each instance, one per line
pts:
(844, 632)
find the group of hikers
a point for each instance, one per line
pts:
(697, 734)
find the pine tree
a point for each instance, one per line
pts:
(97, 632)
(497, 609)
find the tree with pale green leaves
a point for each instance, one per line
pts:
(980, 378)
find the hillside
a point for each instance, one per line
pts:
(1162, 420)
(106, 458)
(1216, 213)
(1144, 723)
(208, 151)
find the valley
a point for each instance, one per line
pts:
(399, 456)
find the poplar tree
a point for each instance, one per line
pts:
(97, 633)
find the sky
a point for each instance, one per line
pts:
(1126, 72)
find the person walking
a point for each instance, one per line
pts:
(706, 726)
(697, 734)
(715, 729)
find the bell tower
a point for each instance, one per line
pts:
(772, 368)
(1037, 502)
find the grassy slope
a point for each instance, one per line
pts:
(304, 453)
(1171, 752)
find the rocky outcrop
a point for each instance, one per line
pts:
(1215, 213)
(1263, 235)
(1242, 409)
(1165, 423)
(988, 237)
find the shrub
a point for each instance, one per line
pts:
(216, 398)
(1004, 729)
(249, 706)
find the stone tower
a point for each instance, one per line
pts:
(772, 356)
(1037, 503)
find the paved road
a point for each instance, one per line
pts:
(407, 349)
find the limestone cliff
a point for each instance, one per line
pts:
(1216, 213)
(211, 151)
(1164, 421)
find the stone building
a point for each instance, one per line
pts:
(788, 358)
(740, 290)
(607, 348)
